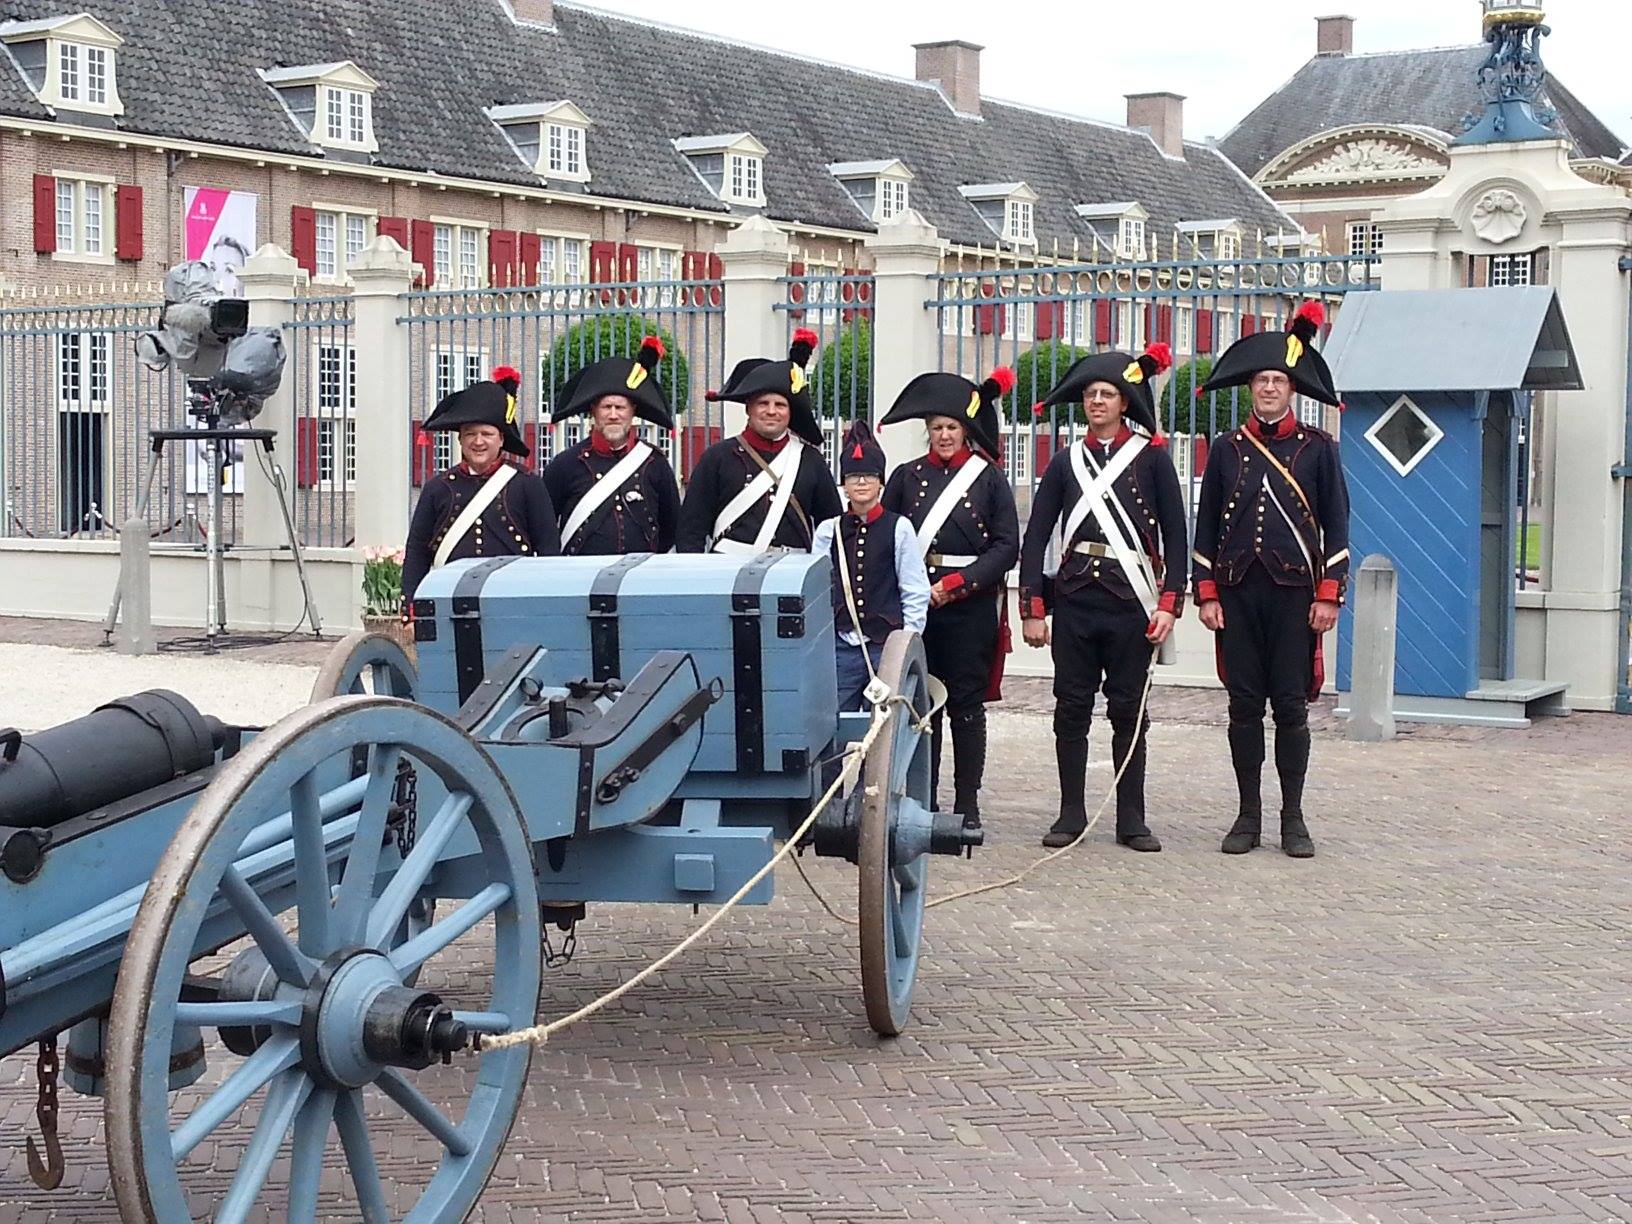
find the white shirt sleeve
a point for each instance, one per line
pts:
(911, 578)
(821, 540)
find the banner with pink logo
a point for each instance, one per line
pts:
(219, 228)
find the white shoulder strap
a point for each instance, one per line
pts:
(1088, 486)
(1123, 539)
(778, 478)
(604, 489)
(468, 516)
(948, 502)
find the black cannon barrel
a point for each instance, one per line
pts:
(117, 751)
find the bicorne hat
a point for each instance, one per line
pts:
(634, 378)
(1132, 376)
(485, 403)
(972, 405)
(758, 376)
(1292, 352)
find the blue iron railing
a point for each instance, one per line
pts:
(322, 372)
(838, 307)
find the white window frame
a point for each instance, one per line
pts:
(1503, 267)
(1404, 404)
(894, 197)
(458, 234)
(1370, 236)
(554, 251)
(567, 159)
(79, 226)
(1130, 237)
(744, 179)
(657, 262)
(1184, 329)
(343, 217)
(1019, 220)
(444, 375)
(334, 409)
(1227, 245)
(822, 290)
(90, 350)
(345, 118)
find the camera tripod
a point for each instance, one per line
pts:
(217, 441)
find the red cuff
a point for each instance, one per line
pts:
(1169, 603)
(1327, 592)
(1037, 611)
(951, 583)
(1206, 590)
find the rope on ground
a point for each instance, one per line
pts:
(853, 757)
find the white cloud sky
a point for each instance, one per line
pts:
(1081, 57)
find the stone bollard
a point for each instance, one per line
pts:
(1376, 606)
(135, 632)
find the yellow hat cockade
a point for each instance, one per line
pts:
(796, 377)
(1135, 373)
(974, 405)
(509, 410)
(637, 375)
(1294, 351)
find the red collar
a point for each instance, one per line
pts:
(1122, 435)
(764, 447)
(470, 471)
(871, 516)
(600, 446)
(960, 457)
(1281, 429)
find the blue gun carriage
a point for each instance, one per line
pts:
(575, 730)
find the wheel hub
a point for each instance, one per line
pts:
(358, 1019)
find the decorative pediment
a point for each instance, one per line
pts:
(1359, 155)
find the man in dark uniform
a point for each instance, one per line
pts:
(961, 507)
(879, 581)
(1272, 564)
(1120, 584)
(613, 492)
(481, 506)
(769, 486)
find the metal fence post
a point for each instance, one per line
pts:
(1376, 604)
(271, 278)
(753, 258)
(906, 257)
(380, 277)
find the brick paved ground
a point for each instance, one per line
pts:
(1430, 1021)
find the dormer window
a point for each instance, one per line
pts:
(1009, 208)
(1119, 227)
(1216, 239)
(332, 104)
(879, 188)
(732, 166)
(552, 138)
(67, 61)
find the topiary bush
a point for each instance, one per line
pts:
(841, 384)
(615, 335)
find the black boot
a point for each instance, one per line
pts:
(1247, 755)
(1071, 755)
(1292, 763)
(1131, 829)
(968, 762)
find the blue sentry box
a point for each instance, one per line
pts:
(762, 627)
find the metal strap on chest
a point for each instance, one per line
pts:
(748, 676)
(467, 624)
(603, 616)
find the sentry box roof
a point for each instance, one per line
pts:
(1504, 339)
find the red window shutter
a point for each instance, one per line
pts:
(421, 466)
(529, 435)
(127, 209)
(988, 320)
(501, 258)
(796, 290)
(305, 452)
(628, 261)
(716, 271)
(1050, 320)
(394, 228)
(532, 250)
(1103, 322)
(423, 246)
(1204, 331)
(1249, 324)
(303, 238)
(45, 214)
(603, 258)
(1164, 324)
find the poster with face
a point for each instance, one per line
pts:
(219, 228)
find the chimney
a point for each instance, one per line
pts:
(534, 12)
(1162, 115)
(1334, 36)
(954, 68)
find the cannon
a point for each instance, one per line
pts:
(305, 902)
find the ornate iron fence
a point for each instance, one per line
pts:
(838, 307)
(1039, 320)
(548, 333)
(322, 374)
(76, 408)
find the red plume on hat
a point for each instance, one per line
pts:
(651, 352)
(1306, 324)
(1156, 359)
(804, 343)
(508, 377)
(998, 384)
